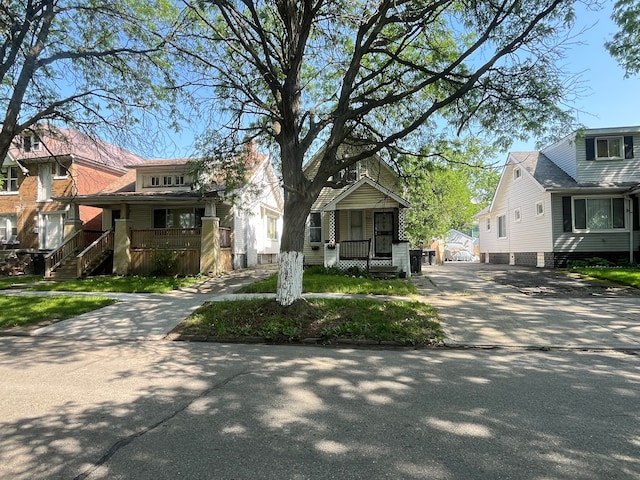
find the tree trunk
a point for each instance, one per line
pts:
(290, 269)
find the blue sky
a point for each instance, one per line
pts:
(607, 99)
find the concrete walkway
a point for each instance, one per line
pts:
(478, 312)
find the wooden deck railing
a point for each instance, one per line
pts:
(69, 247)
(95, 252)
(168, 238)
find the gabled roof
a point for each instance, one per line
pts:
(332, 205)
(543, 170)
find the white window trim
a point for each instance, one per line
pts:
(271, 218)
(498, 217)
(627, 220)
(517, 215)
(620, 155)
(487, 225)
(517, 173)
(320, 227)
(56, 171)
(6, 181)
(540, 211)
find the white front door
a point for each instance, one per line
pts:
(51, 230)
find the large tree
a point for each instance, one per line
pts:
(625, 44)
(383, 76)
(88, 64)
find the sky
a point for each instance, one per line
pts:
(608, 99)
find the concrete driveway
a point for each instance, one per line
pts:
(500, 305)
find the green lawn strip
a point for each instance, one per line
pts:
(16, 311)
(329, 283)
(624, 276)
(8, 282)
(327, 320)
(123, 284)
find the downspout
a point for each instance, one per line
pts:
(630, 200)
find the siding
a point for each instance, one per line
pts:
(563, 154)
(366, 197)
(599, 171)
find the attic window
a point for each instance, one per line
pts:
(517, 173)
(31, 143)
(609, 148)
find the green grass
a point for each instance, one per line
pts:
(325, 320)
(624, 276)
(7, 282)
(18, 311)
(314, 282)
(133, 284)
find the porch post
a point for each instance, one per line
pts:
(210, 246)
(122, 247)
(72, 221)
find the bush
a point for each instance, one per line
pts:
(165, 262)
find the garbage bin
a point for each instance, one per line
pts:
(431, 256)
(415, 259)
(37, 264)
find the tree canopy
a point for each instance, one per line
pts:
(89, 64)
(625, 45)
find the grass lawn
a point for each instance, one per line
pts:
(133, 284)
(317, 282)
(16, 311)
(6, 282)
(625, 276)
(324, 321)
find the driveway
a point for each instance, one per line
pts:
(484, 305)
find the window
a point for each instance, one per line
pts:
(315, 227)
(60, 170)
(516, 215)
(272, 233)
(611, 147)
(155, 181)
(44, 182)
(8, 227)
(502, 226)
(30, 143)
(179, 180)
(177, 217)
(539, 209)
(168, 180)
(599, 213)
(517, 173)
(347, 175)
(488, 224)
(9, 179)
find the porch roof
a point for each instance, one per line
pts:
(332, 205)
(107, 199)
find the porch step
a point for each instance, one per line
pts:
(384, 271)
(67, 271)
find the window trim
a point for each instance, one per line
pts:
(488, 224)
(587, 229)
(315, 227)
(7, 179)
(517, 173)
(540, 209)
(271, 220)
(56, 171)
(620, 155)
(34, 143)
(517, 215)
(502, 218)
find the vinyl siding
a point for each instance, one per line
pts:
(563, 154)
(584, 242)
(366, 197)
(603, 171)
(531, 233)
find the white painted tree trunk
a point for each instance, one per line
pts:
(289, 278)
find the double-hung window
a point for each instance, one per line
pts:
(315, 227)
(599, 213)
(502, 226)
(9, 179)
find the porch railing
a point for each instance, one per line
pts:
(355, 249)
(95, 252)
(69, 247)
(168, 238)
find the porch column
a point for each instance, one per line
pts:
(122, 247)
(401, 224)
(72, 222)
(332, 226)
(210, 246)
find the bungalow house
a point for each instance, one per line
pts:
(43, 169)
(572, 200)
(154, 220)
(361, 224)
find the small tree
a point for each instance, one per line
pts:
(88, 64)
(314, 75)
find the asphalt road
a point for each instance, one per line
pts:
(168, 410)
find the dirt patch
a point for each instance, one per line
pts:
(557, 283)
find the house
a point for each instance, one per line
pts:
(154, 216)
(45, 165)
(361, 224)
(572, 200)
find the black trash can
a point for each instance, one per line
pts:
(37, 263)
(415, 259)
(430, 256)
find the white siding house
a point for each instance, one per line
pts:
(573, 200)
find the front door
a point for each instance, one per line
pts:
(51, 230)
(383, 233)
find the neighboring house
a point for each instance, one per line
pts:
(154, 215)
(575, 199)
(361, 224)
(51, 164)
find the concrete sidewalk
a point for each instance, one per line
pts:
(477, 312)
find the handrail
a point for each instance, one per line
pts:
(355, 249)
(54, 258)
(94, 251)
